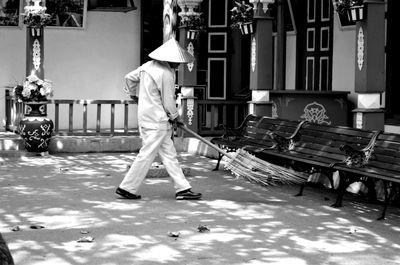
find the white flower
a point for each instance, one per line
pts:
(32, 78)
(47, 88)
(26, 93)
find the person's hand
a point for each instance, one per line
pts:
(179, 121)
(135, 99)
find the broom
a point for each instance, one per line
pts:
(243, 164)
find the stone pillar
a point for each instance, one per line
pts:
(370, 67)
(261, 63)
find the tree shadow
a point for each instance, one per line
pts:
(73, 194)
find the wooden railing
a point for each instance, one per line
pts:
(91, 124)
(97, 129)
(214, 114)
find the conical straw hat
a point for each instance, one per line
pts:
(172, 52)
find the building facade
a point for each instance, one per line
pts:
(303, 57)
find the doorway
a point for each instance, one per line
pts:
(315, 46)
(392, 95)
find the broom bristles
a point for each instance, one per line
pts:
(245, 165)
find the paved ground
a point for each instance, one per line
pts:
(72, 196)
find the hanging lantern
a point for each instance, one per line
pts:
(192, 34)
(355, 13)
(246, 28)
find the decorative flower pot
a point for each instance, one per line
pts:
(355, 13)
(192, 34)
(246, 28)
(35, 128)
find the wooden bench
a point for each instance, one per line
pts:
(358, 155)
(254, 134)
(383, 164)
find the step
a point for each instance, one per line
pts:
(11, 142)
(11, 145)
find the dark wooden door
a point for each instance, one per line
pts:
(315, 45)
(152, 27)
(392, 57)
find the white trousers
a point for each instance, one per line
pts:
(155, 142)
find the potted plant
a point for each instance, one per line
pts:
(35, 128)
(33, 89)
(35, 18)
(354, 9)
(194, 24)
(242, 17)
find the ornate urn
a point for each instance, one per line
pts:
(35, 128)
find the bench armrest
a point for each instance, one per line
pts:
(358, 158)
(282, 143)
(232, 132)
(238, 131)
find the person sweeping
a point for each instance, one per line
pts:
(153, 86)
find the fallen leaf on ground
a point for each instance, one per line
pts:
(173, 234)
(15, 228)
(86, 239)
(36, 226)
(203, 228)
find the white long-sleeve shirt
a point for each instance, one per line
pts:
(157, 105)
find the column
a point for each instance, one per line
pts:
(35, 39)
(187, 73)
(261, 62)
(370, 67)
(280, 72)
(35, 51)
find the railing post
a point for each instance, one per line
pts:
(56, 118)
(126, 115)
(85, 121)
(188, 112)
(98, 120)
(112, 122)
(71, 118)
(8, 110)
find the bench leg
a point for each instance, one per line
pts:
(345, 181)
(372, 196)
(329, 175)
(218, 162)
(313, 170)
(301, 190)
(388, 197)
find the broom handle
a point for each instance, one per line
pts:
(186, 129)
